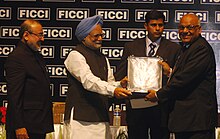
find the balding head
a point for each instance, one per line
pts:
(192, 18)
(189, 28)
(27, 25)
(31, 34)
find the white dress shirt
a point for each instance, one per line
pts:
(78, 68)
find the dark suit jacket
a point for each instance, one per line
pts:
(167, 50)
(192, 88)
(28, 90)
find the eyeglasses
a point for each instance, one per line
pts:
(189, 27)
(96, 36)
(40, 35)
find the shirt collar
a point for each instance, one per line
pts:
(185, 45)
(157, 42)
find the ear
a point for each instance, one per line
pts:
(145, 26)
(200, 30)
(83, 41)
(25, 35)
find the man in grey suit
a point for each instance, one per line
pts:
(29, 111)
(192, 85)
(142, 119)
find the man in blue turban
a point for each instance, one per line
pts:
(87, 25)
(91, 83)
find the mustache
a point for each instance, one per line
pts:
(98, 42)
(39, 43)
(185, 33)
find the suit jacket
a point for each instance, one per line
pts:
(167, 50)
(28, 90)
(192, 89)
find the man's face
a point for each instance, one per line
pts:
(189, 29)
(155, 29)
(94, 39)
(35, 37)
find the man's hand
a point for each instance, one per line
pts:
(121, 93)
(166, 67)
(124, 82)
(21, 133)
(151, 96)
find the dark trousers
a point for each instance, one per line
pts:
(148, 133)
(146, 124)
(12, 135)
(208, 134)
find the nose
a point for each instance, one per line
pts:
(42, 38)
(184, 33)
(157, 27)
(100, 38)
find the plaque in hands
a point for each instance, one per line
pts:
(144, 73)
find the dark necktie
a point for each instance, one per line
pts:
(152, 51)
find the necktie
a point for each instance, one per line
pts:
(152, 51)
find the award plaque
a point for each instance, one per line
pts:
(144, 73)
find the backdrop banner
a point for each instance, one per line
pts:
(123, 22)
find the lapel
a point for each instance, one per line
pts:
(37, 56)
(140, 48)
(181, 56)
(161, 48)
(42, 64)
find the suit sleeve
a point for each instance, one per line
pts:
(121, 71)
(186, 75)
(15, 76)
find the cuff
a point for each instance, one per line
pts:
(171, 70)
(156, 95)
(111, 90)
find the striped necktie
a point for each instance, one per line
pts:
(152, 51)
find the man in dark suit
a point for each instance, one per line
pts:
(192, 85)
(142, 118)
(29, 111)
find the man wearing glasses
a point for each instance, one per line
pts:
(91, 83)
(192, 85)
(29, 110)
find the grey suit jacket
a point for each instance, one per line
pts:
(167, 50)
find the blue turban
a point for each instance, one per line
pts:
(86, 26)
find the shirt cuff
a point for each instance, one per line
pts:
(111, 90)
(171, 70)
(156, 95)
